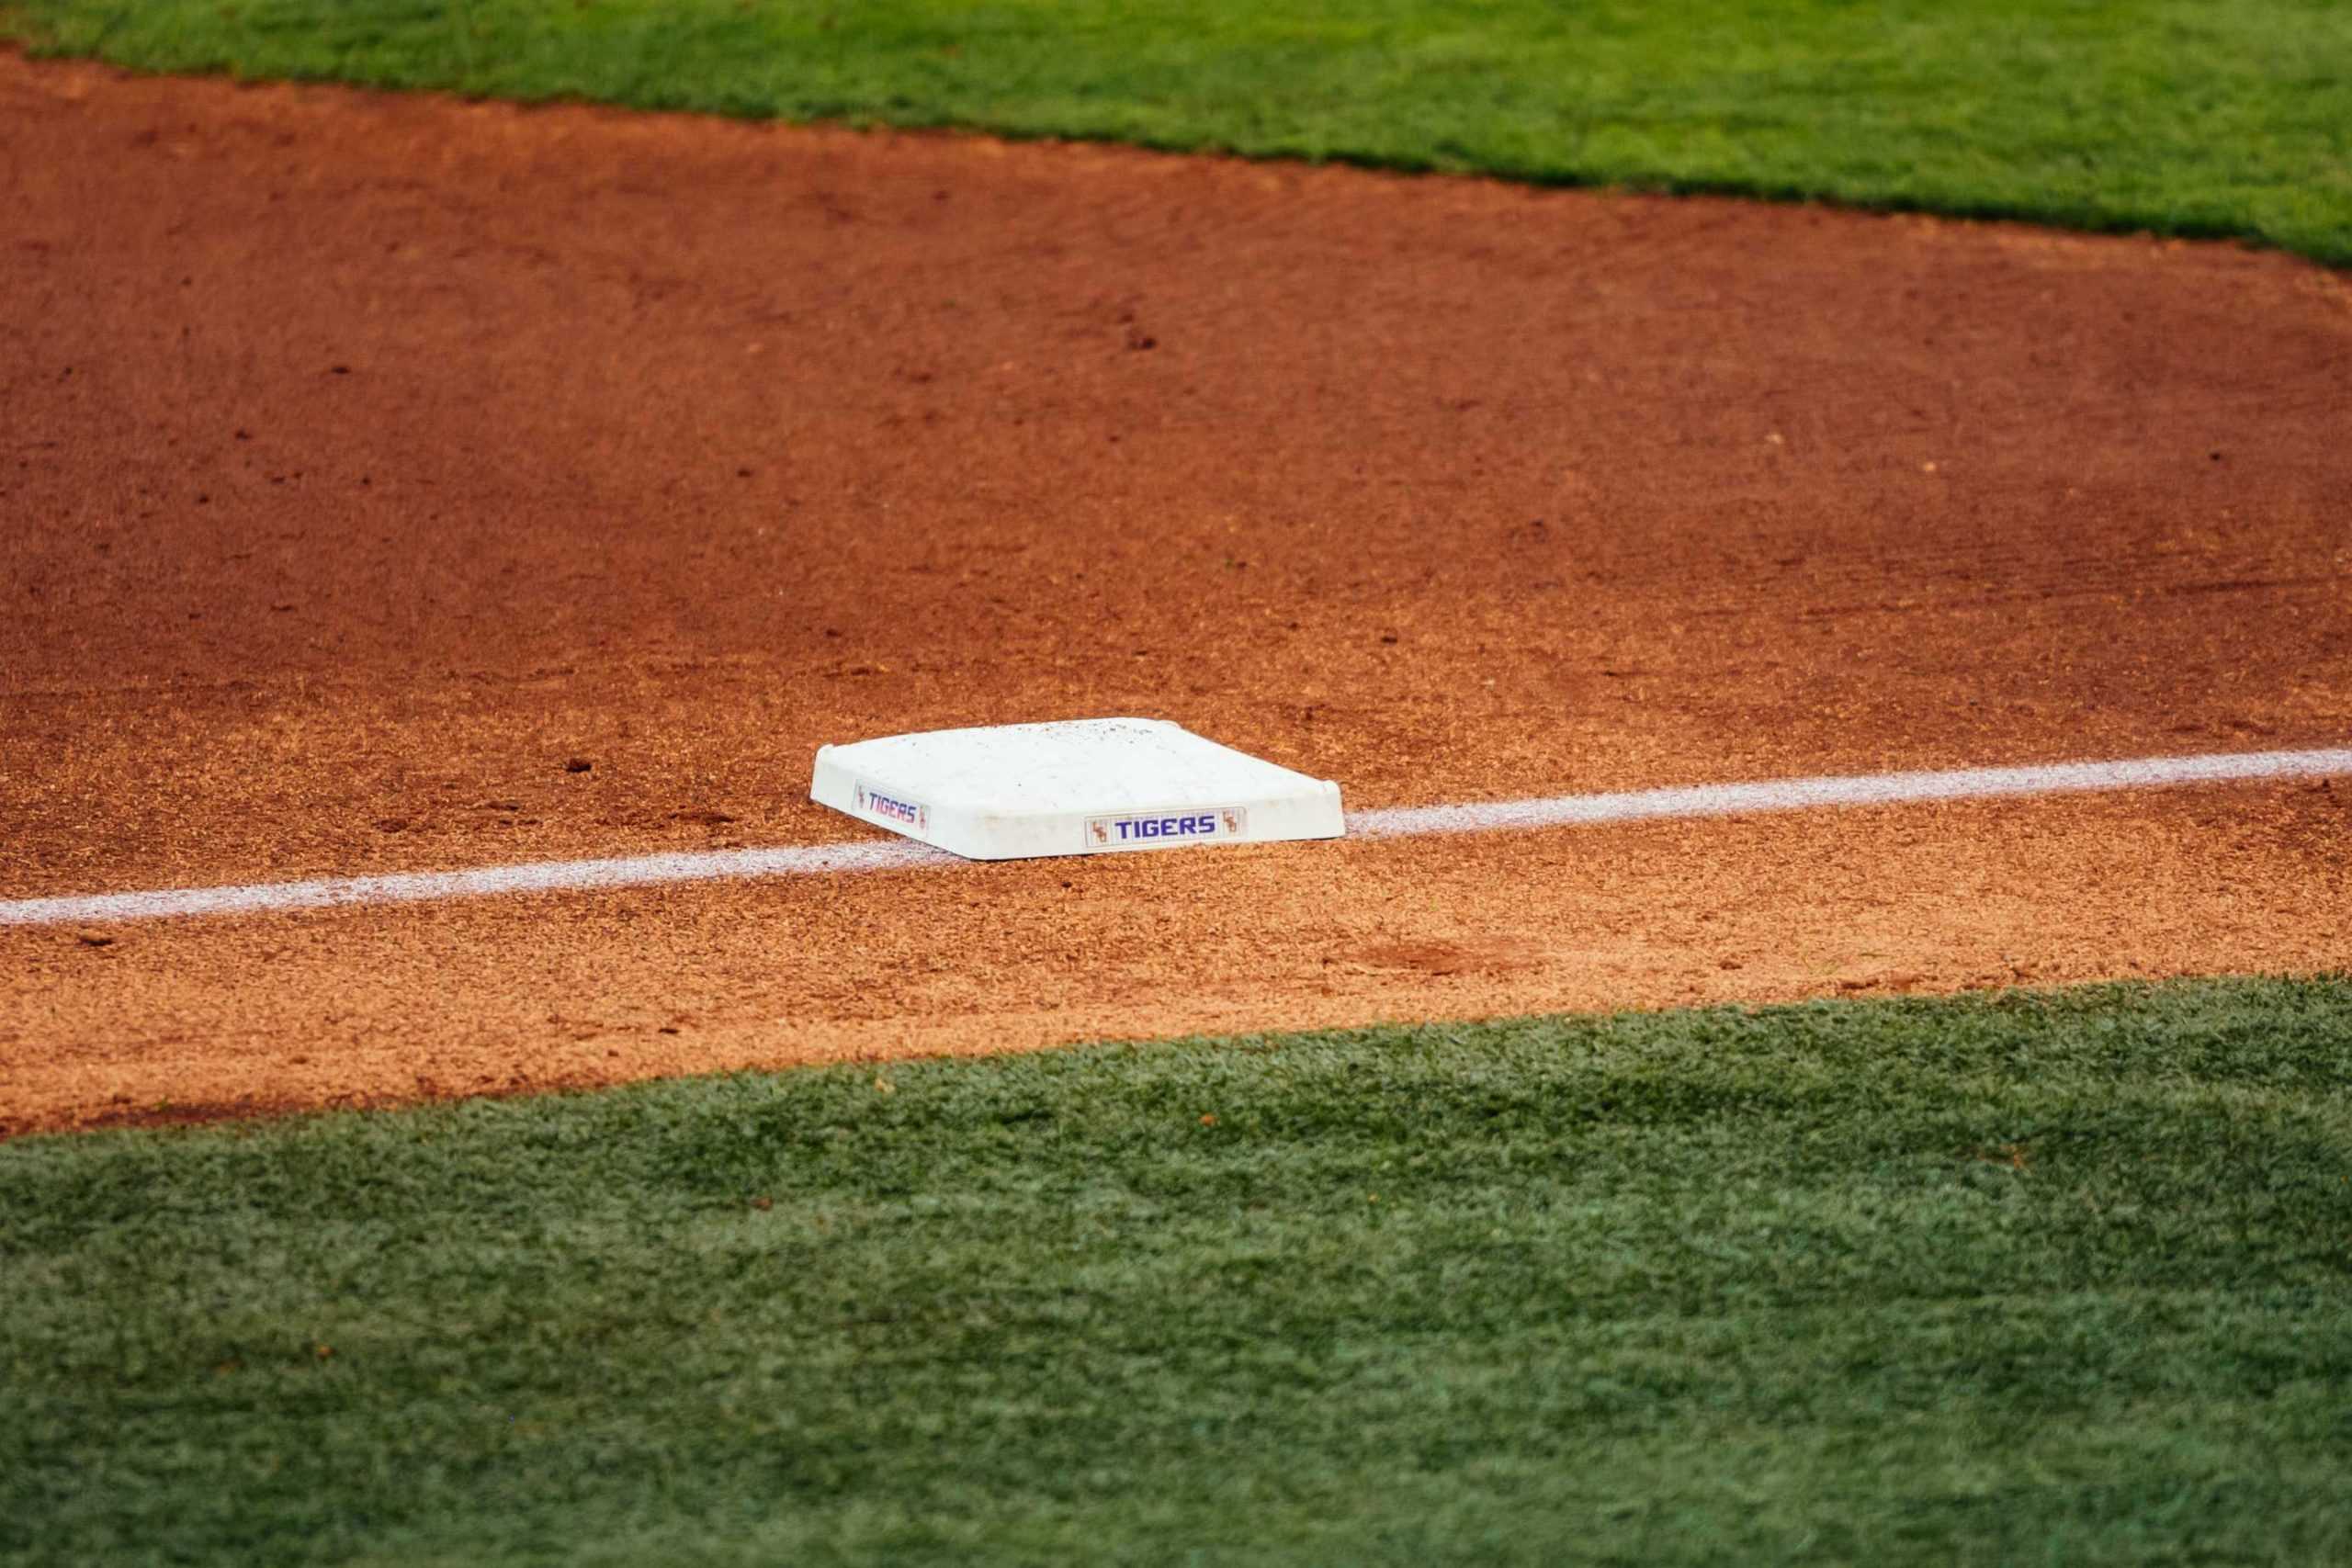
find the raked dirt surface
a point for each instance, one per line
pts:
(372, 463)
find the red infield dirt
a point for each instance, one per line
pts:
(370, 463)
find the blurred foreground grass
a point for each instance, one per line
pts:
(2060, 1276)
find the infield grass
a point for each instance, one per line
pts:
(2059, 1277)
(2183, 117)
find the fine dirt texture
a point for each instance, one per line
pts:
(389, 483)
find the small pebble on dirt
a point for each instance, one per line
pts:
(577, 765)
(391, 824)
(93, 938)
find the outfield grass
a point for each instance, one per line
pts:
(2058, 1278)
(2184, 116)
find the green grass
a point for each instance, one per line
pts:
(2184, 116)
(2061, 1278)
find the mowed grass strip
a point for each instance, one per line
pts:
(2052, 1278)
(2182, 117)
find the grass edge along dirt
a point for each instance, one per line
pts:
(2055, 1276)
(2176, 116)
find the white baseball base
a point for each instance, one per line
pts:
(1085, 786)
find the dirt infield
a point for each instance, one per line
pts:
(372, 463)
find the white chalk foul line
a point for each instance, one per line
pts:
(1395, 821)
(481, 882)
(1864, 789)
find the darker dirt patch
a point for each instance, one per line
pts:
(1499, 957)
